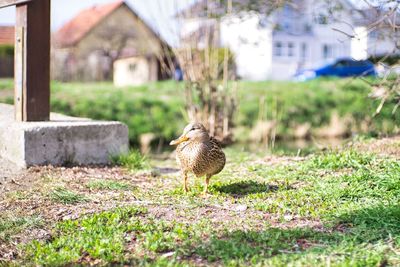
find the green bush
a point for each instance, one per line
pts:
(6, 84)
(314, 102)
(142, 114)
(6, 50)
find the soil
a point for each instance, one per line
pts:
(27, 193)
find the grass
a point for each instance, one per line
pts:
(159, 108)
(65, 196)
(108, 185)
(101, 236)
(6, 84)
(330, 182)
(132, 161)
(337, 208)
(13, 225)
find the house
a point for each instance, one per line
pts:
(96, 42)
(297, 35)
(7, 51)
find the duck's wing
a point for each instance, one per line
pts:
(216, 154)
(215, 143)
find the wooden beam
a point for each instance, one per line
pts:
(19, 69)
(6, 3)
(32, 61)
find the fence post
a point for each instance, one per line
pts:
(32, 61)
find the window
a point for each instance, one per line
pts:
(290, 49)
(341, 64)
(132, 67)
(303, 51)
(307, 28)
(327, 51)
(321, 19)
(286, 26)
(278, 49)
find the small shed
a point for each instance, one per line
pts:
(86, 47)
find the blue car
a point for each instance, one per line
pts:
(344, 67)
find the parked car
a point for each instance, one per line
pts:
(344, 67)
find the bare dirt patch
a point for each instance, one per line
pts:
(28, 193)
(272, 160)
(386, 146)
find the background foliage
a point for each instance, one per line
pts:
(159, 107)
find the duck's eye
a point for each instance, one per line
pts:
(193, 129)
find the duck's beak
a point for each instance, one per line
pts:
(181, 139)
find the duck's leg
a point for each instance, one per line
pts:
(208, 177)
(185, 178)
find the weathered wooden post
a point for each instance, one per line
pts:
(32, 59)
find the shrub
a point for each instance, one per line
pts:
(141, 114)
(314, 102)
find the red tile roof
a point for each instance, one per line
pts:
(7, 35)
(73, 31)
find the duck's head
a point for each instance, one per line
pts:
(193, 132)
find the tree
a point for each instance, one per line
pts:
(209, 70)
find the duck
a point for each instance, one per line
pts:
(199, 153)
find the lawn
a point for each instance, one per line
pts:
(332, 208)
(159, 108)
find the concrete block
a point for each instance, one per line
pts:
(63, 140)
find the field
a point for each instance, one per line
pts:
(336, 208)
(159, 108)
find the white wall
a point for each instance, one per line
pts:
(359, 44)
(250, 44)
(133, 71)
(190, 27)
(383, 42)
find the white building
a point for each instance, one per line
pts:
(304, 34)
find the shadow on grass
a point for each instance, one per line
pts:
(348, 242)
(244, 188)
(366, 237)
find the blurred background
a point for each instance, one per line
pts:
(286, 77)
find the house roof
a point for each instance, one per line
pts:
(77, 28)
(7, 35)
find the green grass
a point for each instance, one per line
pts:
(132, 161)
(338, 208)
(65, 196)
(100, 236)
(13, 225)
(6, 84)
(329, 182)
(159, 107)
(108, 185)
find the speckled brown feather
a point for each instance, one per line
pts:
(201, 158)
